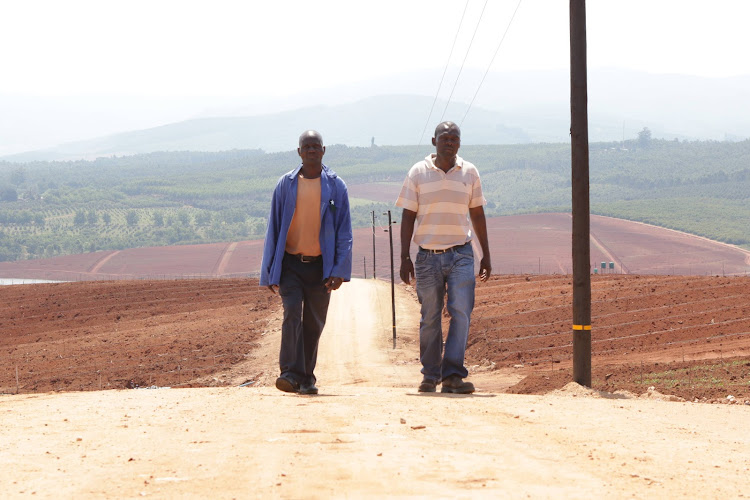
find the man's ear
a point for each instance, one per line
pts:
(433, 142)
(299, 151)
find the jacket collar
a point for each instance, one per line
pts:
(326, 171)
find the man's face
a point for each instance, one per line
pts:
(447, 141)
(311, 150)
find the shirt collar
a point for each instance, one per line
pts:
(430, 159)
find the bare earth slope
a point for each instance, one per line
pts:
(521, 244)
(368, 434)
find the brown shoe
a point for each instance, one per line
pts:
(427, 385)
(456, 385)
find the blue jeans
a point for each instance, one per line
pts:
(453, 272)
(305, 301)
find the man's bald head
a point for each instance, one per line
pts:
(310, 134)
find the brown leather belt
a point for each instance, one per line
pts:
(307, 259)
(444, 250)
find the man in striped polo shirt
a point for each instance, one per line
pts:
(442, 194)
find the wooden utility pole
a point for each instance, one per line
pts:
(579, 133)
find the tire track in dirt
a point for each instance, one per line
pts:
(223, 261)
(610, 256)
(355, 347)
(100, 263)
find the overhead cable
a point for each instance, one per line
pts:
(464, 61)
(491, 61)
(427, 122)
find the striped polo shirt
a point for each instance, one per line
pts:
(442, 202)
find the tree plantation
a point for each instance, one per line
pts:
(56, 208)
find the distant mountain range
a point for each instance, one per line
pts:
(509, 108)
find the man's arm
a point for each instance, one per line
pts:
(480, 229)
(342, 264)
(407, 230)
(271, 239)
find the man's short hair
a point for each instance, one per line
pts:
(446, 125)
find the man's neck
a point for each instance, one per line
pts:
(444, 163)
(311, 171)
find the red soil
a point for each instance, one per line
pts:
(688, 336)
(685, 335)
(521, 244)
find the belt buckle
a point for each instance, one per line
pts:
(307, 259)
(444, 250)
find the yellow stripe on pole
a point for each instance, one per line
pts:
(581, 327)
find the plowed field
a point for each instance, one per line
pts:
(686, 336)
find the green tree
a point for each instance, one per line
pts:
(644, 137)
(18, 176)
(184, 218)
(80, 218)
(203, 218)
(132, 218)
(92, 218)
(8, 193)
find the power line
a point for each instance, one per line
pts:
(460, 23)
(491, 61)
(464, 61)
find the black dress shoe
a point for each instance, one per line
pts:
(308, 389)
(286, 384)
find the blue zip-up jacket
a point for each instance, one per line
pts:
(335, 226)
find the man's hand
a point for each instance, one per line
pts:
(407, 229)
(333, 283)
(271, 287)
(485, 269)
(407, 270)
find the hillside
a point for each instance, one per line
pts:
(49, 209)
(513, 107)
(356, 124)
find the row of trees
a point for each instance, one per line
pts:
(185, 197)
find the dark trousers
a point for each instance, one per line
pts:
(305, 301)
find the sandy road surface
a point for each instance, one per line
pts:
(368, 434)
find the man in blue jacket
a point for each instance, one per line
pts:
(307, 254)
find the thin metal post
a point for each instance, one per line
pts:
(373, 244)
(393, 286)
(580, 191)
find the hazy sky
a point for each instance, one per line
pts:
(76, 69)
(239, 48)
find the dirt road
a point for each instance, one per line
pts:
(368, 433)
